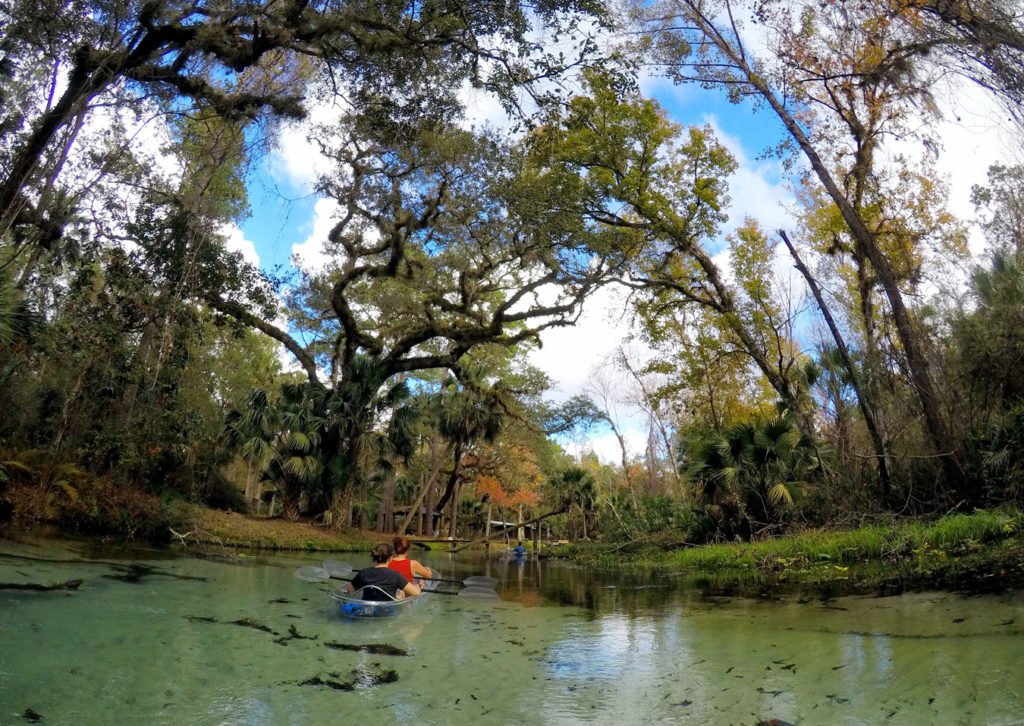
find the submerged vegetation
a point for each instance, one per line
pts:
(153, 378)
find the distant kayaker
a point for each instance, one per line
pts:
(383, 579)
(409, 569)
(519, 550)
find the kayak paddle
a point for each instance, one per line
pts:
(339, 569)
(310, 573)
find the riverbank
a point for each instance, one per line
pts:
(206, 527)
(982, 551)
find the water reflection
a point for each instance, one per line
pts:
(636, 591)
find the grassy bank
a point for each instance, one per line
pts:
(983, 548)
(229, 529)
(96, 508)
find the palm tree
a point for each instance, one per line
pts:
(251, 432)
(575, 489)
(296, 440)
(466, 414)
(990, 338)
(753, 471)
(282, 438)
(371, 425)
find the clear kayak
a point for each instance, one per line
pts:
(356, 604)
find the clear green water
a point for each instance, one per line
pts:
(564, 647)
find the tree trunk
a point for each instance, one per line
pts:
(46, 197)
(453, 530)
(385, 514)
(65, 410)
(249, 495)
(862, 401)
(83, 82)
(453, 477)
(428, 512)
(917, 363)
(426, 483)
(131, 391)
(289, 501)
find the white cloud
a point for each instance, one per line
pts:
(235, 241)
(311, 254)
(974, 134)
(297, 160)
(757, 189)
(668, 93)
(568, 354)
(483, 109)
(606, 446)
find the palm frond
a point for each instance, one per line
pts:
(301, 467)
(780, 494)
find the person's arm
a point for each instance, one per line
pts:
(419, 570)
(411, 589)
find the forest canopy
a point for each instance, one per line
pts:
(862, 360)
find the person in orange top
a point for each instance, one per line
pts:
(410, 569)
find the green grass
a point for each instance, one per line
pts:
(954, 533)
(214, 527)
(900, 542)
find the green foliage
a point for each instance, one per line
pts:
(1000, 205)
(994, 459)
(614, 145)
(990, 337)
(296, 439)
(988, 342)
(955, 533)
(126, 329)
(128, 374)
(748, 476)
(660, 515)
(573, 487)
(125, 375)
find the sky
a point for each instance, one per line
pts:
(289, 221)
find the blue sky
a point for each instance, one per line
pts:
(282, 213)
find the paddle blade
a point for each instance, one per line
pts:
(334, 568)
(480, 593)
(310, 573)
(480, 581)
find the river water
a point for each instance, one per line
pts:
(153, 637)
